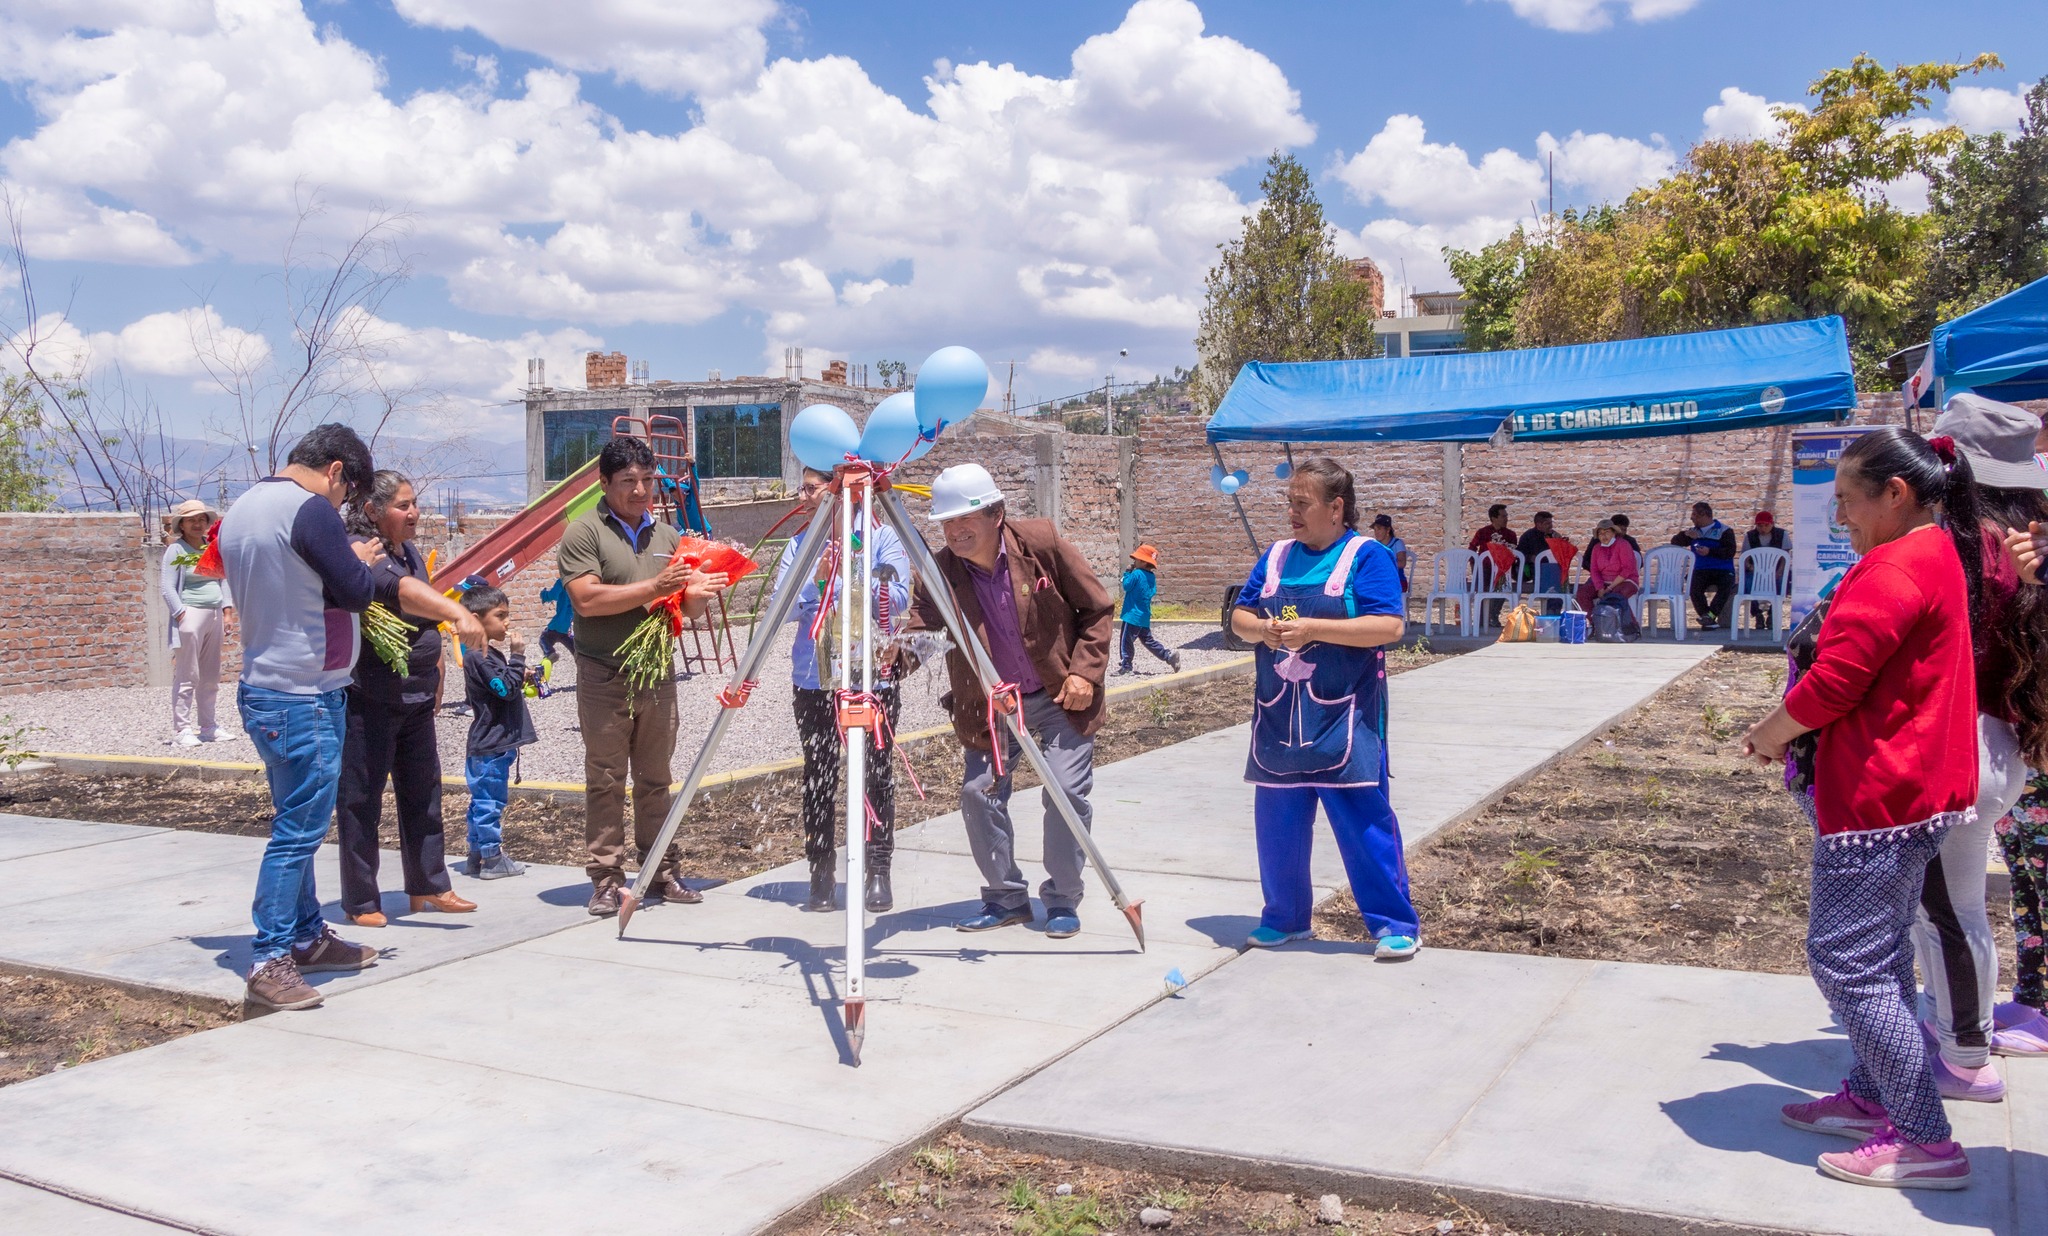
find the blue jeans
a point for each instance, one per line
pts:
(299, 738)
(490, 788)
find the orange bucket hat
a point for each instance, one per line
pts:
(1147, 555)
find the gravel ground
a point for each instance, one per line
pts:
(135, 721)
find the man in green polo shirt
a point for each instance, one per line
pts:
(615, 561)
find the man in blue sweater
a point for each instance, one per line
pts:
(288, 553)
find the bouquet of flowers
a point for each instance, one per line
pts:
(205, 562)
(648, 654)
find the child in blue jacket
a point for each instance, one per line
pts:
(499, 725)
(1140, 586)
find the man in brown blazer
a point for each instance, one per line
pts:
(1045, 618)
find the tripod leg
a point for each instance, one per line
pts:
(750, 661)
(985, 670)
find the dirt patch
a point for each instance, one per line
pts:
(47, 1024)
(1657, 843)
(958, 1184)
(730, 833)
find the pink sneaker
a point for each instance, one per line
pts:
(2021, 1031)
(1841, 1114)
(1889, 1161)
(1979, 1085)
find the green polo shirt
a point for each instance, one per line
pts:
(596, 543)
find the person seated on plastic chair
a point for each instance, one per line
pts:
(1610, 568)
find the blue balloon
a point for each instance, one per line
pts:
(1216, 474)
(926, 440)
(1229, 484)
(822, 436)
(950, 384)
(1283, 470)
(1243, 478)
(891, 430)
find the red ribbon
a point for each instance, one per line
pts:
(1003, 691)
(737, 698)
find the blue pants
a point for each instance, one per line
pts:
(1368, 839)
(1133, 635)
(490, 788)
(299, 738)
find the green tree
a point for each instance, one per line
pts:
(1494, 278)
(1280, 292)
(1989, 208)
(24, 478)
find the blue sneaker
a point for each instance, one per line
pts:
(1267, 937)
(1395, 948)
(992, 917)
(1060, 924)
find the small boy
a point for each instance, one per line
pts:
(499, 725)
(1140, 586)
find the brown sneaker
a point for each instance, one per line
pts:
(331, 953)
(604, 900)
(276, 984)
(668, 888)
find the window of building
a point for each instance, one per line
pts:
(572, 437)
(740, 440)
(1435, 342)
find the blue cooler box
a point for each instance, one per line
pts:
(1571, 628)
(1547, 631)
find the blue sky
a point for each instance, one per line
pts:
(699, 182)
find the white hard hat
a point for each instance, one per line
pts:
(962, 490)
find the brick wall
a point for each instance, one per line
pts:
(74, 615)
(1091, 499)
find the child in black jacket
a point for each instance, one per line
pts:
(498, 726)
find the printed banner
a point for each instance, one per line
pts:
(1820, 545)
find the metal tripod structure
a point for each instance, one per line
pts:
(855, 504)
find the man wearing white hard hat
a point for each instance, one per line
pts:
(1036, 605)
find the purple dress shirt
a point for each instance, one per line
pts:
(1005, 632)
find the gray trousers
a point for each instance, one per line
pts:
(985, 804)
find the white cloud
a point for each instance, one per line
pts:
(674, 46)
(1027, 210)
(156, 345)
(1986, 109)
(1439, 182)
(1581, 16)
(1741, 116)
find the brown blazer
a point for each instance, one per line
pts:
(1065, 623)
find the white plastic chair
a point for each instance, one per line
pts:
(1764, 577)
(1667, 577)
(1492, 583)
(1450, 583)
(1564, 587)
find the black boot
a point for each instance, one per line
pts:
(879, 896)
(821, 888)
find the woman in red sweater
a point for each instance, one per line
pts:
(1892, 692)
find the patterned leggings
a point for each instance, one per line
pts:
(2023, 835)
(1859, 949)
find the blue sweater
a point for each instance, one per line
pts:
(1140, 586)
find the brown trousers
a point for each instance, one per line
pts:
(613, 740)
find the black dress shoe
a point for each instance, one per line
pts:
(821, 890)
(879, 896)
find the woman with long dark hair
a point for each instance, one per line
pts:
(1953, 937)
(390, 735)
(1891, 691)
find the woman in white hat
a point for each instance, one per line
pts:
(197, 606)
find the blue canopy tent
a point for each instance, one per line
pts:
(1745, 378)
(1999, 350)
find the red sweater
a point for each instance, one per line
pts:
(1893, 690)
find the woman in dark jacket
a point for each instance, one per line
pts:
(391, 734)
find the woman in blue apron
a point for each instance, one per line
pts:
(1322, 607)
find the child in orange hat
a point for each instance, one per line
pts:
(1141, 584)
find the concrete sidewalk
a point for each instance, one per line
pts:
(692, 1075)
(1568, 1091)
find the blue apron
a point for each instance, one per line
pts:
(1320, 713)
